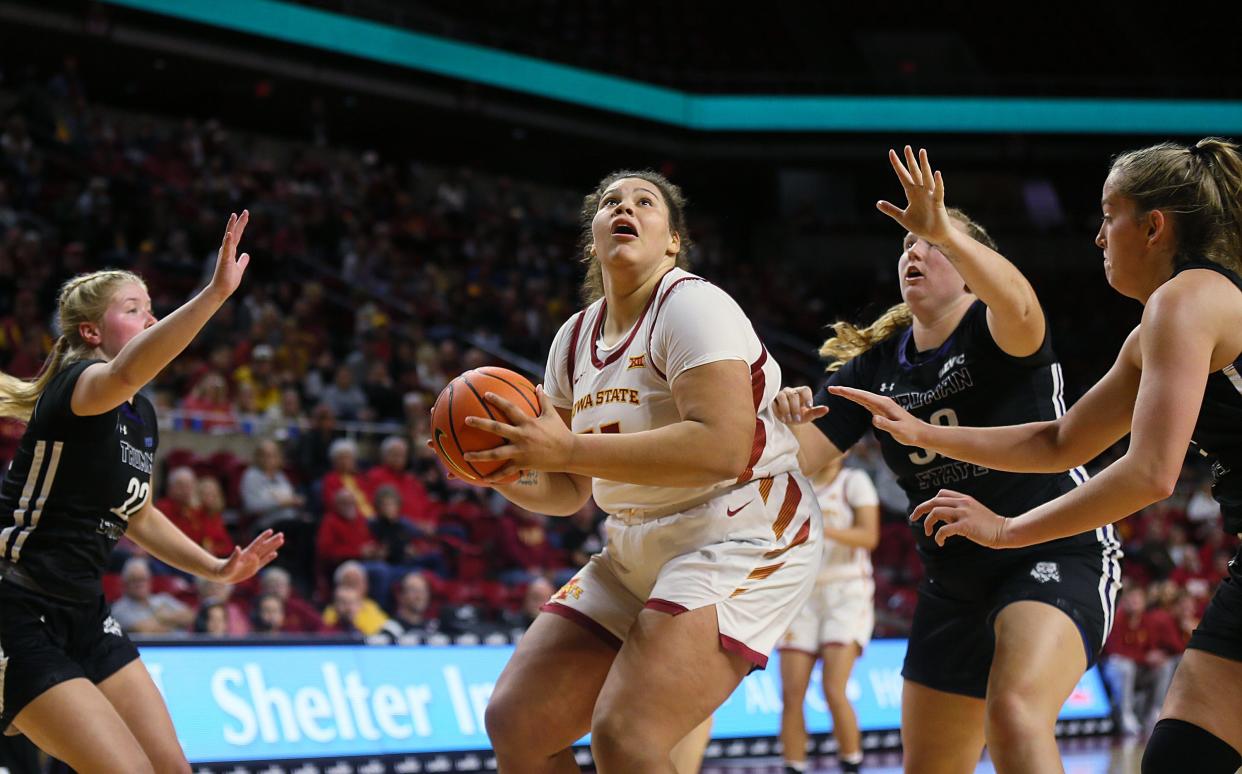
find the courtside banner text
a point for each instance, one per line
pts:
(272, 702)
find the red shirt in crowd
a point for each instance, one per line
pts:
(205, 529)
(341, 539)
(524, 544)
(1133, 637)
(415, 502)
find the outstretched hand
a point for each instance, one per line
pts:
(904, 427)
(925, 215)
(229, 267)
(244, 563)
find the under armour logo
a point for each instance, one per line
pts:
(122, 429)
(887, 386)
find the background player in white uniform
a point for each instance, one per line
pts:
(714, 536)
(836, 622)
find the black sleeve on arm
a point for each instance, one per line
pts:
(846, 421)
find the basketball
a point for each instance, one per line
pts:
(463, 397)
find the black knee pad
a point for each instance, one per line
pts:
(1178, 747)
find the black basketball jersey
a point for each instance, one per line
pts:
(72, 487)
(967, 380)
(1218, 430)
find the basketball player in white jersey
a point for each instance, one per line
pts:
(835, 623)
(714, 535)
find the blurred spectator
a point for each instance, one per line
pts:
(260, 376)
(1202, 510)
(267, 496)
(208, 405)
(525, 551)
(368, 617)
(342, 615)
(299, 615)
(1140, 656)
(539, 591)
(212, 620)
(215, 511)
(581, 535)
(237, 619)
(393, 470)
(269, 615)
(344, 534)
(344, 476)
(311, 450)
(346, 398)
(141, 612)
(185, 508)
(404, 545)
(411, 608)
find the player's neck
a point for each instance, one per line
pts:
(626, 298)
(931, 327)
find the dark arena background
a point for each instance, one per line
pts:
(414, 172)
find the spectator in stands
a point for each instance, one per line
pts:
(208, 405)
(269, 615)
(411, 610)
(311, 450)
(260, 375)
(346, 398)
(141, 612)
(524, 548)
(342, 615)
(393, 470)
(1140, 654)
(383, 397)
(344, 476)
(344, 534)
(215, 509)
(299, 615)
(203, 519)
(267, 497)
(369, 617)
(212, 620)
(237, 617)
(538, 592)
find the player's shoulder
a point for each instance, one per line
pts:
(683, 287)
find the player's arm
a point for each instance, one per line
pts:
(864, 534)
(104, 386)
(152, 530)
(1015, 317)
(711, 443)
(553, 494)
(1097, 421)
(1177, 350)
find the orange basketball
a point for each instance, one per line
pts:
(463, 397)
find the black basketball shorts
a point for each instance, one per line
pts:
(46, 641)
(952, 637)
(1220, 631)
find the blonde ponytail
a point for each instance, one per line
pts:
(851, 341)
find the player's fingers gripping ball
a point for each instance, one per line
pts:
(463, 397)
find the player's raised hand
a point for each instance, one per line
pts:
(925, 215)
(244, 563)
(534, 443)
(959, 514)
(796, 405)
(905, 428)
(230, 267)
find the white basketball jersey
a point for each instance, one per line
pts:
(625, 388)
(849, 490)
